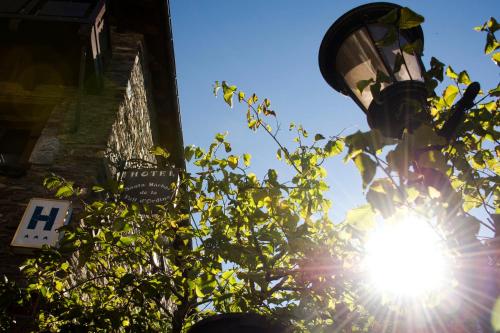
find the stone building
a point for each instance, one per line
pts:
(78, 79)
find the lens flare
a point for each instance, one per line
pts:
(406, 259)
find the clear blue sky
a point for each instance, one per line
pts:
(270, 47)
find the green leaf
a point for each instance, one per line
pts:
(127, 240)
(334, 147)
(220, 137)
(382, 77)
(496, 58)
(495, 91)
(381, 196)
(491, 43)
(241, 96)
(409, 19)
(188, 153)
(228, 92)
(361, 85)
(389, 38)
(449, 94)
(490, 106)
(495, 316)
(451, 73)
(64, 191)
(127, 279)
(417, 47)
(433, 192)
(253, 99)
(252, 124)
(158, 151)
(97, 188)
(433, 159)
(389, 18)
(198, 291)
(464, 78)
(58, 285)
(216, 88)
(493, 24)
(318, 137)
(366, 167)
(278, 154)
(233, 161)
(375, 90)
(437, 68)
(361, 218)
(398, 62)
(246, 159)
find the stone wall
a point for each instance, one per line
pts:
(132, 135)
(80, 130)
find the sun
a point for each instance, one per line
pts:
(407, 259)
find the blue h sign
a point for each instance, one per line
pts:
(48, 219)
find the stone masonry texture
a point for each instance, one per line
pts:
(80, 131)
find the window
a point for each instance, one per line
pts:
(15, 144)
(19, 132)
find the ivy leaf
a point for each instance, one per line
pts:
(278, 154)
(253, 99)
(361, 85)
(493, 24)
(159, 151)
(97, 188)
(496, 58)
(228, 92)
(318, 137)
(381, 196)
(398, 62)
(464, 78)
(437, 68)
(389, 18)
(64, 191)
(451, 73)
(220, 137)
(490, 106)
(232, 161)
(216, 88)
(389, 38)
(361, 218)
(127, 240)
(417, 47)
(241, 96)
(375, 90)
(252, 124)
(366, 167)
(449, 94)
(432, 159)
(409, 19)
(382, 77)
(491, 43)
(246, 159)
(334, 147)
(433, 192)
(198, 291)
(495, 91)
(188, 153)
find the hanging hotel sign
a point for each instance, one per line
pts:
(40, 223)
(150, 186)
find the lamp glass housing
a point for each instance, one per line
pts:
(352, 52)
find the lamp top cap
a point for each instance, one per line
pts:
(346, 25)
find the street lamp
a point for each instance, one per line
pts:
(357, 59)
